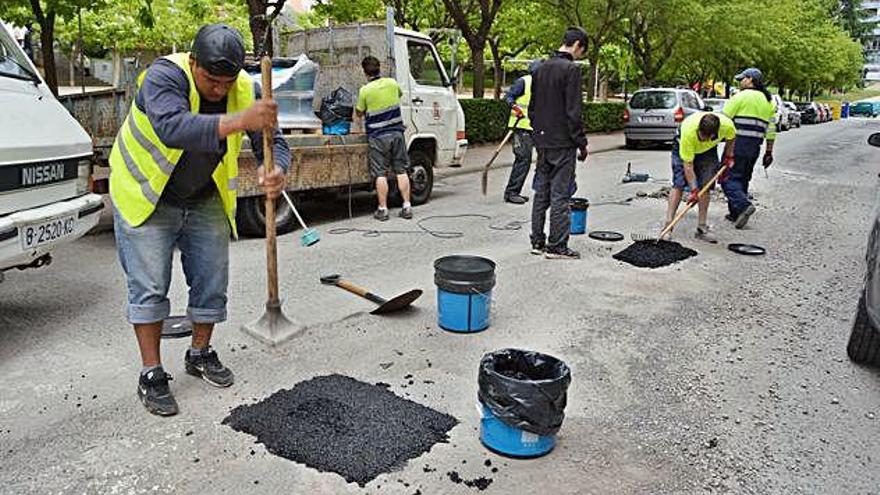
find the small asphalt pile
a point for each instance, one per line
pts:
(654, 254)
(338, 424)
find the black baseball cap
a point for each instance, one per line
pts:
(219, 49)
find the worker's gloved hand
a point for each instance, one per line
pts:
(272, 183)
(262, 114)
(518, 111)
(728, 162)
(768, 159)
(726, 165)
(694, 196)
(583, 153)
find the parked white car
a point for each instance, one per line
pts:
(782, 121)
(44, 166)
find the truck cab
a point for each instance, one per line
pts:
(45, 161)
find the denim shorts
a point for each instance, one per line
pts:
(201, 233)
(706, 165)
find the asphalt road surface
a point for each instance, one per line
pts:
(722, 374)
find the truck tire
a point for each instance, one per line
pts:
(421, 176)
(630, 144)
(864, 341)
(251, 217)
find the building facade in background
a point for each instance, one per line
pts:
(872, 42)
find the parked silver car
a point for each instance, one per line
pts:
(653, 115)
(717, 104)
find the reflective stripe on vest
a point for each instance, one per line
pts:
(523, 102)
(141, 165)
(750, 127)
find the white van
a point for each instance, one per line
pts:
(44, 166)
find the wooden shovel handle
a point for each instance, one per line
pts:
(268, 166)
(354, 289)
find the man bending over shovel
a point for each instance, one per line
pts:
(695, 163)
(173, 181)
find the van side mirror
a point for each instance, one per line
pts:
(874, 139)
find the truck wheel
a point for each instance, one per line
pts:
(864, 341)
(421, 176)
(251, 216)
(630, 144)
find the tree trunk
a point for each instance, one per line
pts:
(496, 64)
(591, 76)
(117, 68)
(479, 63)
(72, 68)
(47, 41)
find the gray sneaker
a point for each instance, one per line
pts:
(705, 234)
(381, 215)
(743, 217)
(406, 213)
(208, 367)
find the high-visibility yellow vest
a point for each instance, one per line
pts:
(140, 165)
(523, 102)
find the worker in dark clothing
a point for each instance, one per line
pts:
(555, 111)
(173, 181)
(518, 98)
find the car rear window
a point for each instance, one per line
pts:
(646, 100)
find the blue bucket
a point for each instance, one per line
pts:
(464, 292)
(341, 128)
(506, 440)
(579, 207)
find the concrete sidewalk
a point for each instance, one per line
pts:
(479, 154)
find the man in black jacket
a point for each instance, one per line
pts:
(555, 111)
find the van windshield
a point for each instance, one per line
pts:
(13, 62)
(646, 100)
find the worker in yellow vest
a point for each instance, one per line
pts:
(173, 181)
(518, 98)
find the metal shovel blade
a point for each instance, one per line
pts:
(398, 303)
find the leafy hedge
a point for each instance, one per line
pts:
(486, 119)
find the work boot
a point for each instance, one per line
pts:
(743, 217)
(517, 199)
(381, 215)
(208, 367)
(538, 247)
(705, 234)
(730, 218)
(406, 212)
(562, 254)
(153, 391)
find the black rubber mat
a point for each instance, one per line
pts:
(338, 424)
(747, 249)
(654, 254)
(606, 235)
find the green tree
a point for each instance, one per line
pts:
(45, 13)
(475, 21)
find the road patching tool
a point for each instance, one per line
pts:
(634, 177)
(273, 327)
(386, 306)
(309, 236)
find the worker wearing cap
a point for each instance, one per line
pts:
(518, 98)
(754, 114)
(695, 163)
(173, 181)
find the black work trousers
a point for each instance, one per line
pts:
(554, 176)
(522, 162)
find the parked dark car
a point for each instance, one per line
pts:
(809, 113)
(866, 108)
(864, 340)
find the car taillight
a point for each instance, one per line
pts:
(460, 135)
(679, 114)
(625, 115)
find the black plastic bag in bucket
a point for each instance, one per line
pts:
(525, 389)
